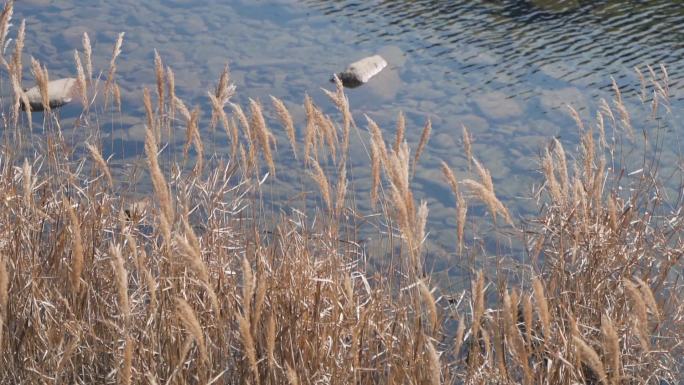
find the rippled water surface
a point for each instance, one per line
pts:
(505, 69)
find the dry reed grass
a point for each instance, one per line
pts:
(209, 287)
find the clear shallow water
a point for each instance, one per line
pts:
(505, 69)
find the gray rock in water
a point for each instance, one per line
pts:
(361, 71)
(60, 92)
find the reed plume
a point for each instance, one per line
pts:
(4, 296)
(589, 356)
(121, 279)
(5, 19)
(262, 133)
(88, 52)
(159, 75)
(640, 323)
(424, 137)
(434, 367)
(318, 175)
(542, 306)
(77, 253)
(159, 185)
(611, 347)
(111, 75)
(461, 205)
(81, 82)
(189, 319)
(100, 162)
(467, 145)
(40, 73)
(18, 50)
(286, 121)
(401, 128)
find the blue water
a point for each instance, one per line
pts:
(505, 69)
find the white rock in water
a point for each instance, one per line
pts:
(60, 92)
(361, 71)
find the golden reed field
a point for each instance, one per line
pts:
(195, 281)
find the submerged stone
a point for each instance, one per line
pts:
(362, 71)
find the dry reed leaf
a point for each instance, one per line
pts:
(100, 162)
